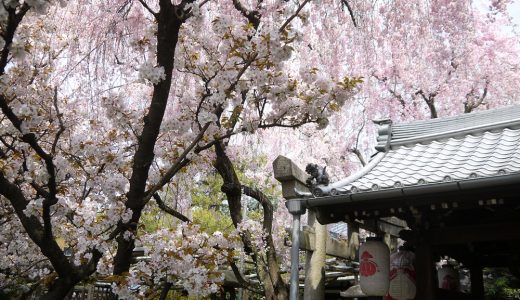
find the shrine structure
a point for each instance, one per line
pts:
(455, 182)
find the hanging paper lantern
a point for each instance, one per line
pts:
(402, 276)
(374, 266)
(448, 278)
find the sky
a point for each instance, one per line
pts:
(514, 10)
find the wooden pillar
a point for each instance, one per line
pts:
(425, 271)
(477, 282)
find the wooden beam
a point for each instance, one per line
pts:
(474, 233)
(390, 225)
(334, 247)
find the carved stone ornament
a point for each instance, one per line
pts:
(318, 175)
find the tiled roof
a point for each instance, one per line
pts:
(338, 229)
(457, 126)
(461, 148)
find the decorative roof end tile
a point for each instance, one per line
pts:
(384, 134)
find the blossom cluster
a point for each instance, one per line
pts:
(82, 90)
(150, 73)
(183, 256)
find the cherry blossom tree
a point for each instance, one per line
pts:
(418, 60)
(98, 117)
(102, 114)
(445, 57)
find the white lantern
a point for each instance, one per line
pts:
(448, 278)
(374, 267)
(402, 276)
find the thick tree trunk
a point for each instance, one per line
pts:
(430, 101)
(433, 109)
(59, 289)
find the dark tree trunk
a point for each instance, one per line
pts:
(164, 292)
(167, 36)
(433, 109)
(59, 289)
(231, 186)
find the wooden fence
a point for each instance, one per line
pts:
(97, 291)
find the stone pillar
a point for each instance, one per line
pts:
(315, 262)
(290, 176)
(293, 180)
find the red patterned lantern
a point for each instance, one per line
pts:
(374, 266)
(448, 278)
(402, 276)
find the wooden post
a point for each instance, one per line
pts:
(425, 271)
(477, 281)
(90, 292)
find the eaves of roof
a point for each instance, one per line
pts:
(350, 202)
(415, 191)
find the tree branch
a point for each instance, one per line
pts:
(286, 23)
(170, 210)
(148, 8)
(279, 123)
(168, 27)
(350, 11)
(430, 101)
(355, 149)
(398, 96)
(266, 205)
(272, 266)
(34, 228)
(253, 16)
(215, 140)
(180, 162)
(468, 106)
(242, 281)
(359, 156)
(30, 138)
(60, 120)
(13, 20)
(165, 289)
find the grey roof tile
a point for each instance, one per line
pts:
(466, 147)
(339, 228)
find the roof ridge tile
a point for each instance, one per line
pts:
(469, 147)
